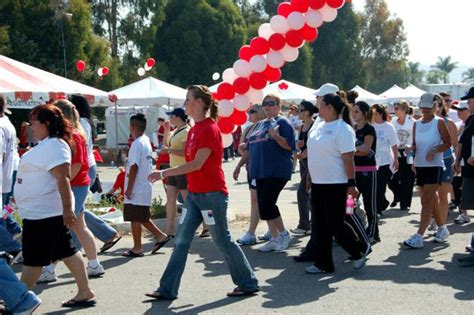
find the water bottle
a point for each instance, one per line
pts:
(350, 205)
(410, 158)
(112, 163)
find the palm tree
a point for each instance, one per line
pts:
(468, 75)
(446, 66)
(415, 75)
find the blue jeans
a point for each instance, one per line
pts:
(7, 243)
(80, 196)
(15, 293)
(214, 204)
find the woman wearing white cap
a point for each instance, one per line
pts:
(430, 139)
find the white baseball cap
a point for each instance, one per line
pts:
(461, 106)
(327, 88)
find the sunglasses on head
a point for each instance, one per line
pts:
(252, 111)
(269, 103)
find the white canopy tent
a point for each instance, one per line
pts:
(25, 86)
(366, 96)
(150, 92)
(413, 93)
(393, 94)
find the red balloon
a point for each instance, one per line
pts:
(238, 118)
(309, 33)
(226, 91)
(336, 4)
(300, 5)
(215, 96)
(294, 38)
(259, 45)
(150, 62)
(258, 81)
(113, 98)
(316, 4)
(272, 74)
(284, 9)
(105, 70)
(225, 124)
(277, 41)
(241, 85)
(246, 52)
(80, 65)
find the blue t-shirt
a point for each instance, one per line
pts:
(267, 158)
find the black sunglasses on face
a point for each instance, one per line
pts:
(252, 111)
(301, 110)
(269, 103)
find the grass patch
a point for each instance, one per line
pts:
(157, 208)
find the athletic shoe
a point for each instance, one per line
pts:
(467, 261)
(433, 226)
(247, 239)
(95, 272)
(31, 309)
(284, 240)
(265, 237)
(462, 218)
(415, 241)
(441, 235)
(358, 264)
(299, 231)
(269, 246)
(313, 270)
(47, 276)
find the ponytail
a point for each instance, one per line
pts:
(202, 92)
(346, 113)
(214, 110)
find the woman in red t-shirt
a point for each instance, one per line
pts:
(206, 201)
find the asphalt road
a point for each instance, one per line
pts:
(395, 279)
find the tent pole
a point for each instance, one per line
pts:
(116, 132)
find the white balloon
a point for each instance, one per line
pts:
(275, 59)
(314, 18)
(227, 139)
(258, 63)
(242, 68)
(279, 24)
(229, 75)
(241, 102)
(100, 72)
(141, 72)
(146, 67)
(329, 14)
(216, 76)
(226, 108)
(255, 96)
(296, 20)
(265, 30)
(289, 53)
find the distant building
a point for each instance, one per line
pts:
(456, 90)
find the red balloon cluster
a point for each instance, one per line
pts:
(260, 61)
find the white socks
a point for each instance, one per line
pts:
(94, 263)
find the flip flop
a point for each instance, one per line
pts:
(159, 245)
(204, 233)
(155, 295)
(74, 303)
(109, 245)
(239, 292)
(129, 253)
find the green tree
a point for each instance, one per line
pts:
(446, 66)
(384, 46)
(197, 39)
(336, 52)
(434, 76)
(468, 75)
(415, 75)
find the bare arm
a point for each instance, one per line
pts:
(348, 160)
(365, 148)
(453, 132)
(63, 177)
(132, 175)
(279, 139)
(75, 168)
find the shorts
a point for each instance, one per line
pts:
(45, 241)
(180, 182)
(268, 190)
(467, 194)
(447, 176)
(134, 213)
(428, 175)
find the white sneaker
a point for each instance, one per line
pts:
(299, 231)
(462, 218)
(47, 276)
(358, 264)
(433, 226)
(265, 237)
(415, 241)
(441, 235)
(313, 270)
(95, 272)
(284, 240)
(269, 246)
(31, 309)
(247, 239)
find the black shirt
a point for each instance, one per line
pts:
(303, 136)
(466, 141)
(369, 159)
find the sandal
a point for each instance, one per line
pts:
(239, 292)
(109, 245)
(159, 245)
(156, 295)
(74, 303)
(131, 254)
(204, 233)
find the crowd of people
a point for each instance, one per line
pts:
(348, 154)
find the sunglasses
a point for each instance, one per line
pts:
(269, 103)
(301, 110)
(252, 111)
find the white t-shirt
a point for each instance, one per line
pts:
(295, 121)
(404, 132)
(88, 129)
(140, 154)
(453, 115)
(11, 158)
(326, 144)
(36, 189)
(386, 139)
(2, 146)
